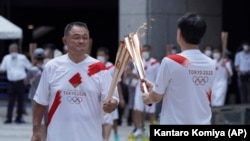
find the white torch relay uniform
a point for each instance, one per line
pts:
(74, 93)
(186, 81)
(151, 68)
(221, 82)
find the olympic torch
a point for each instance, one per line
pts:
(133, 46)
(122, 58)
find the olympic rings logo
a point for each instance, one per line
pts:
(200, 80)
(74, 99)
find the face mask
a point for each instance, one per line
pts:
(208, 53)
(245, 47)
(173, 51)
(13, 54)
(145, 55)
(216, 55)
(101, 58)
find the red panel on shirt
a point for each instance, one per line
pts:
(76, 80)
(178, 58)
(54, 106)
(95, 68)
(154, 62)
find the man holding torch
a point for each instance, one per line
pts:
(184, 80)
(74, 87)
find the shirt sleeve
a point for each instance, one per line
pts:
(42, 92)
(163, 78)
(27, 63)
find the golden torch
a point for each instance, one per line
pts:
(122, 58)
(129, 47)
(134, 48)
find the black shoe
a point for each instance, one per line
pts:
(20, 121)
(7, 122)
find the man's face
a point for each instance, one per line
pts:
(77, 40)
(13, 48)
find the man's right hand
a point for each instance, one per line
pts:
(148, 84)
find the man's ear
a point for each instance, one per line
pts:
(64, 40)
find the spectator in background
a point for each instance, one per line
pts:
(15, 65)
(171, 49)
(151, 66)
(33, 79)
(110, 120)
(208, 50)
(222, 74)
(48, 52)
(242, 66)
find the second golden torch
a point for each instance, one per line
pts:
(133, 46)
(129, 47)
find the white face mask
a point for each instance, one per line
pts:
(13, 54)
(101, 58)
(216, 55)
(208, 53)
(245, 47)
(145, 55)
(173, 51)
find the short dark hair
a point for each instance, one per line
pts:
(103, 49)
(147, 46)
(70, 25)
(192, 27)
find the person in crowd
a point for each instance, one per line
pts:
(208, 50)
(110, 120)
(242, 67)
(151, 66)
(33, 79)
(15, 65)
(184, 80)
(222, 74)
(75, 87)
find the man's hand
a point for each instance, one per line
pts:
(146, 98)
(109, 105)
(149, 85)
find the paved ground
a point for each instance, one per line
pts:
(22, 132)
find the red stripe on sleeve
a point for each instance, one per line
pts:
(154, 62)
(54, 106)
(178, 58)
(95, 68)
